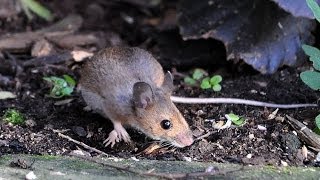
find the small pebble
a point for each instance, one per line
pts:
(295, 133)
(31, 175)
(80, 131)
(253, 91)
(135, 159)
(249, 156)
(318, 158)
(211, 169)
(251, 136)
(284, 164)
(263, 93)
(262, 128)
(199, 112)
(188, 159)
(30, 123)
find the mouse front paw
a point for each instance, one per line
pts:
(116, 135)
(112, 139)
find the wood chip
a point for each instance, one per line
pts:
(304, 133)
(63, 102)
(42, 48)
(273, 114)
(7, 95)
(79, 56)
(304, 152)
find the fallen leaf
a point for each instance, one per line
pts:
(150, 149)
(238, 24)
(273, 114)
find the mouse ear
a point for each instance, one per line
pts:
(143, 96)
(167, 84)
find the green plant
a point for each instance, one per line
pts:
(14, 117)
(213, 82)
(239, 121)
(312, 77)
(199, 76)
(37, 8)
(61, 86)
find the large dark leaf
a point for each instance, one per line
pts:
(259, 32)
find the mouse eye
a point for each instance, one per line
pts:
(166, 124)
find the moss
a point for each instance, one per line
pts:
(14, 117)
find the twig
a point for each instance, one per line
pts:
(204, 135)
(79, 143)
(305, 133)
(159, 175)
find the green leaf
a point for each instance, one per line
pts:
(316, 130)
(67, 91)
(205, 83)
(215, 79)
(239, 122)
(311, 51)
(38, 9)
(198, 74)
(47, 79)
(69, 80)
(311, 78)
(314, 54)
(188, 80)
(318, 121)
(217, 87)
(236, 119)
(313, 5)
(233, 117)
(61, 87)
(316, 62)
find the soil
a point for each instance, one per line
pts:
(245, 144)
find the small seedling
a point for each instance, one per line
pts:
(312, 78)
(199, 77)
(61, 86)
(213, 82)
(190, 81)
(239, 121)
(198, 74)
(37, 8)
(14, 117)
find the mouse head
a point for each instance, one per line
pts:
(157, 116)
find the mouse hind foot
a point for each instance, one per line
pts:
(116, 135)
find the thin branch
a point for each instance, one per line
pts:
(79, 143)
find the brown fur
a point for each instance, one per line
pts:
(107, 86)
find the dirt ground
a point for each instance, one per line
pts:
(246, 144)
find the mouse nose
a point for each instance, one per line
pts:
(185, 139)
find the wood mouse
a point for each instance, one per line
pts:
(128, 86)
